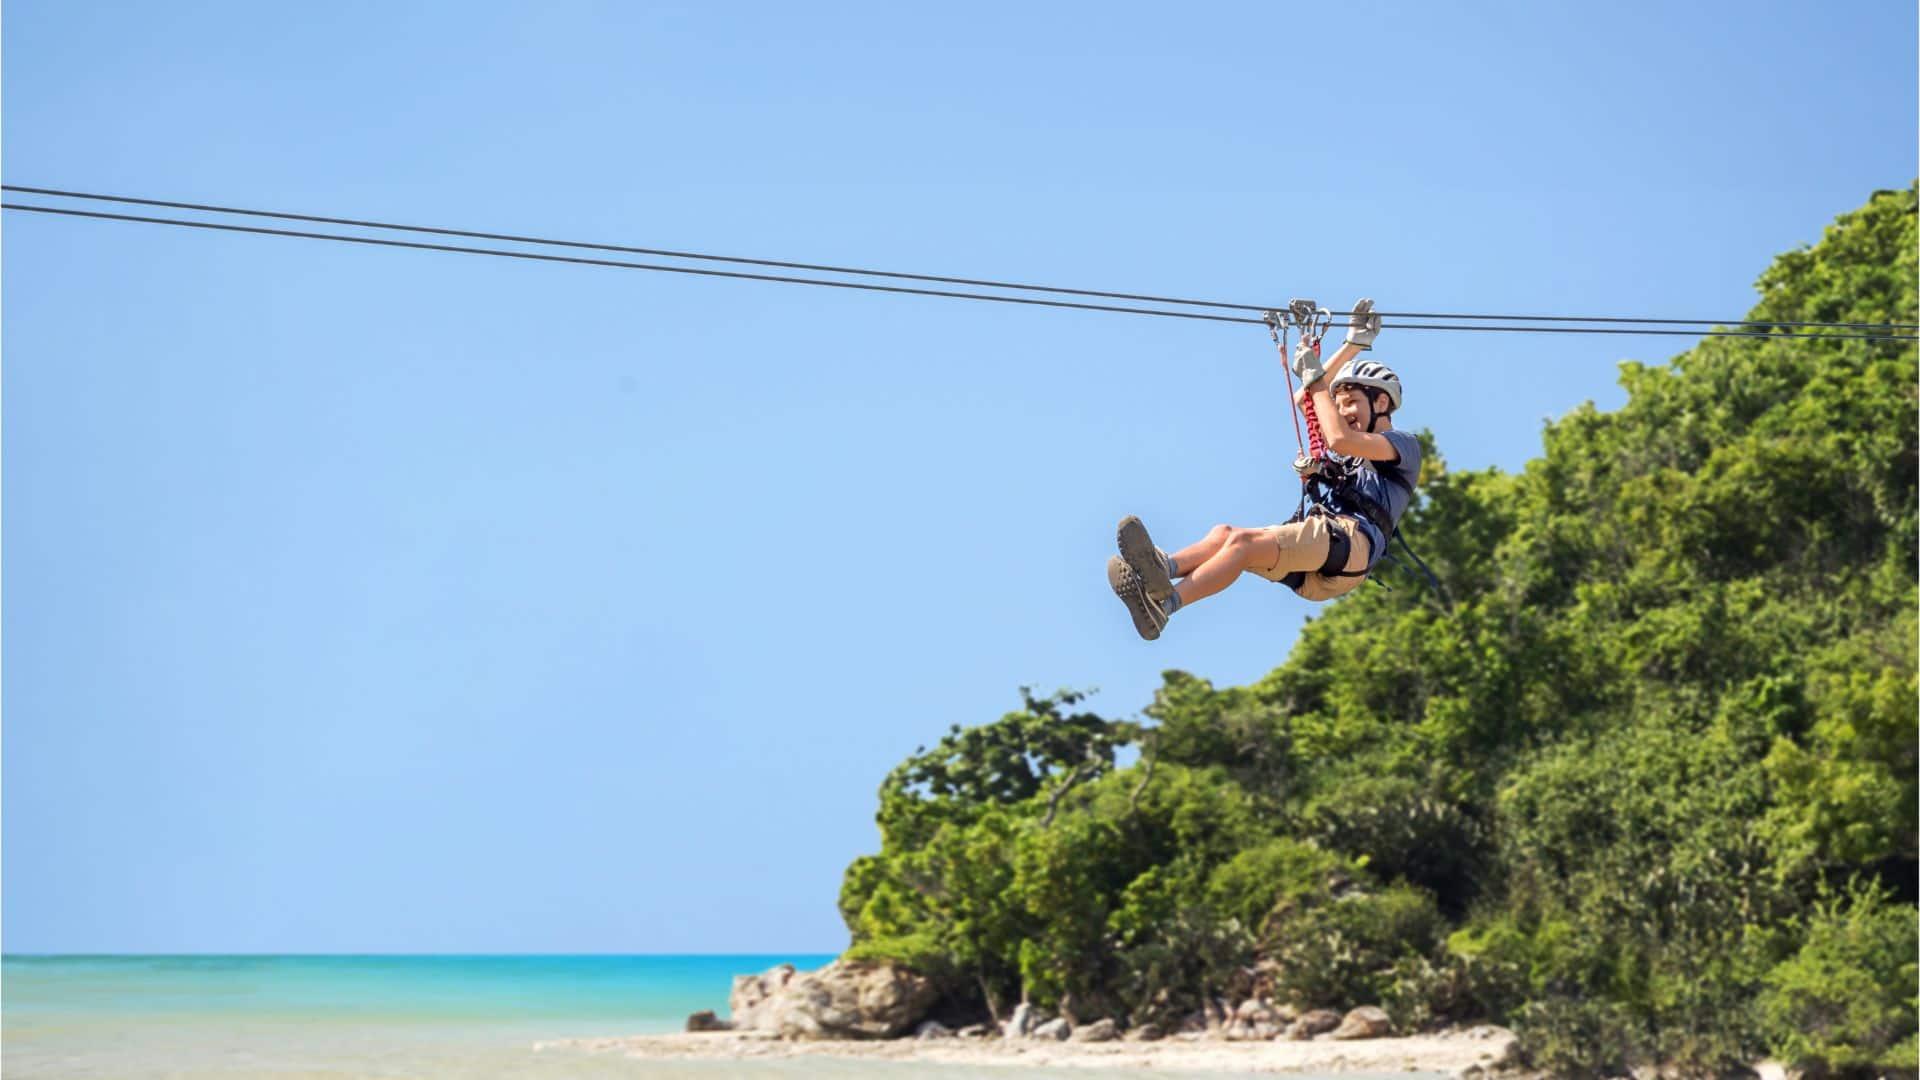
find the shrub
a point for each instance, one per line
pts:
(1342, 953)
(1846, 999)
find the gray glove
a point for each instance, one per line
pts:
(1307, 364)
(1363, 325)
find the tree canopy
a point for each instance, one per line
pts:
(1640, 781)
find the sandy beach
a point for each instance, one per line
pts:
(1450, 1052)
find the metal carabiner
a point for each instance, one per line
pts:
(1322, 322)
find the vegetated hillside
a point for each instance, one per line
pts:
(1640, 781)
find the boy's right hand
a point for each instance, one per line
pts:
(1307, 363)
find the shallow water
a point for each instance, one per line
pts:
(335, 1017)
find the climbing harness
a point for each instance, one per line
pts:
(1325, 480)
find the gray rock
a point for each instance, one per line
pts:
(1148, 1032)
(751, 993)
(1365, 1022)
(844, 1000)
(932, 1029)
(975, 1031)
(1254, 1021)
(1056, 1029)
(1098, 1031)
(1313, 1022)
(1020, 1024)
(704, 1020)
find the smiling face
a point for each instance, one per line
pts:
(1356, 411)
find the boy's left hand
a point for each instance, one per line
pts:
(1363, 325)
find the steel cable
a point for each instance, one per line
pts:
(1765, 332)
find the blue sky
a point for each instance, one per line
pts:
(385, 601)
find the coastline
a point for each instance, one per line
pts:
(1448, 1053)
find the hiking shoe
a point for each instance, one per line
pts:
(1149, 618)
(1144, 559)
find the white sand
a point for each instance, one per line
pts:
(1448, 1052)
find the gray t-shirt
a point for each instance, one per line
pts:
(1374, 481)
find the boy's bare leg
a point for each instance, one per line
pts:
(1189, 558)
(1238, 550)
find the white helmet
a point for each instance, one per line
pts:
(1372, 374)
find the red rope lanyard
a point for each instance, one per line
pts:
(1314, 449)
(1316, 438)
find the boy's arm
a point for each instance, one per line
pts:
(1342, 439)
(1341, 355)
(1362, 328)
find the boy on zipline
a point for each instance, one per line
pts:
(1356, 497)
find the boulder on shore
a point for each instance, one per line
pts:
(1099, 1031)
(751, 993)
(704, 1020)
(1056, 1029)
(1314, 1022)
(1021, 1022)
(844, 1000)
(1365, 1022)
(1254, 1021)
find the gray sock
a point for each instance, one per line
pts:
(1172, 571)
(1172, 602)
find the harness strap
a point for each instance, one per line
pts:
(1339, 550)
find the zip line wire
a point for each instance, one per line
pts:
(1766, 333)
(624, 265)
(471, 234)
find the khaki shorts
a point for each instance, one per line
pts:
(1303, 551)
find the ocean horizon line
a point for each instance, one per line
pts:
(700, 953)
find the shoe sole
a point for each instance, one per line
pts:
(1137, 548)
(1126, 585)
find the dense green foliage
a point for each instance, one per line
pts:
(1640, 781)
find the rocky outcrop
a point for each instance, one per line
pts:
(1098, 1031)
(704, 1020)
(1317, 1022)
(844, 1000)
(752, 994)
(1365, 1022)
(1256, 1021)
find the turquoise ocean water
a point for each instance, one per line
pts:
(191, 1017)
